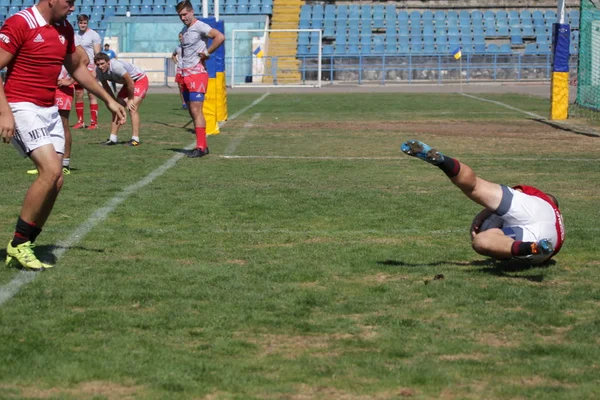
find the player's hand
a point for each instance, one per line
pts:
(205, 55)
(131, 105)
(118, 110)
(7, 126)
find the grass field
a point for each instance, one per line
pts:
(298, 260)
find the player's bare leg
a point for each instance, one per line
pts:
(66, 161)
(491, 242)
(135, 122)
(40, 198)
(114, 128)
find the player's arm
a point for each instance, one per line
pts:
(130, 85)
(7, 120)
(81, 74)
(217, 40)
(174, 57)
(478, 220)
(108, 89)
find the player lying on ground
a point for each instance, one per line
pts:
(520, 222)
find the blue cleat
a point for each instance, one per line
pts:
(420, 150)
(544, 246)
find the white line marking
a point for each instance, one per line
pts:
(333, 158)
(9, 290)
(237, 139)
(561, 124)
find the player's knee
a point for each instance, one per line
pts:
(481, 243)
(52, 175)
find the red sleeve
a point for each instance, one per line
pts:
(12, 34)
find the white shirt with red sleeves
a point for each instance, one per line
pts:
(39, 50)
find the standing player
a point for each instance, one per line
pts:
(34, 44)
(91, 42)
(111, 54)
(194, 53)
(176, 58)
(131, 95)
(521, 222)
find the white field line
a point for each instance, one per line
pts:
(561, 124)
(237, 139)
(333, 158)
(9, 290)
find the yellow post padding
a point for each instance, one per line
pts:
(215, 103)
(560, 96)
(210, 107)
(221, 97)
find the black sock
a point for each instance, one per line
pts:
(35, 233)
(521, 248)
(23, 232)
(450, 166)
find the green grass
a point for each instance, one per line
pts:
(306, 270)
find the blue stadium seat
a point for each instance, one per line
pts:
(402, 17)
(342, 12)
(429, 48)
(391, 48)
(513, 14)
(378, 16)
(516, 39)
(573, 15)
(415, 18)
(403, 48)
(476, 14)
(544, 48)
(327, 50)
(378, 48)
(4, 3)
(466, 40)
(254, 9)
(97, 3)
(531, 48)
(492, 48)
(464, 14)
(302, 50)
(489, 14)
(542, 39)
(403, 40)
(230, 9)
(550, 15)
(427, 16)
(365, 40)
(452, 15)
(416, 48)
(479, 48)
(365, 13)
(502, 31)
(146, 10)
(505, 48)
(340, 38)
(528, 31)
(330, 13)
(158, 10)
(353, 12)
(440, 18)
(390, 13)
(267, 9)
(501, 14)
(352, 50)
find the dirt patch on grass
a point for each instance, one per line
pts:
(497, 340)
(459, 357)
(85, 390)
(310, 392)
(479, 129)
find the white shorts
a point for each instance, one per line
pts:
(37, 126)
(525, 218)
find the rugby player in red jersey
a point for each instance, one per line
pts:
(34, 44)
(521, 222)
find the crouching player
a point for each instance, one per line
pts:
(131, 95)
(521, 222)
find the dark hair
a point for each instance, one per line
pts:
(106, 45)
(101, 56)
(83, 17)
(187, 4)
(554, 199)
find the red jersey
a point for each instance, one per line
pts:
(560, 227)
(39, 51)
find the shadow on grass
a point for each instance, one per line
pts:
(180, 150)
(567, 128)
(503, 269)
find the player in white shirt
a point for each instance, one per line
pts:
(91, 42)
(176, 58)
(194, 77)
(132, 93)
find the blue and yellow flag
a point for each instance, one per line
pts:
(457, 54)
(258, 52)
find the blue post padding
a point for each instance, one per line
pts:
(561, 38)
(216, 62)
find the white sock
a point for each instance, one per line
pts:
(136, 138)
(113, 138)
(66, 162)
